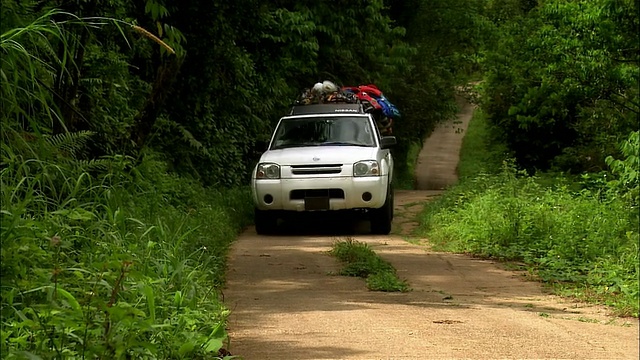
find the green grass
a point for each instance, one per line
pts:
(581, 239)
(405, 172)
(479, 153)
(124, 262)
(110, 257)
(360, 260)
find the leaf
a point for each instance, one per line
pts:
(70, 299)
(80, 214)
(151, 303)
(70, 142)
(213, 345)
(186, 348)
(4, 335)
(21, 315)
(29, 355)
(219, 332)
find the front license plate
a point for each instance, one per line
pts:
(316, 203)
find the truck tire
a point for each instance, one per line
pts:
(381, 218)
(266, 222)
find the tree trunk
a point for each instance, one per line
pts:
(146, 118)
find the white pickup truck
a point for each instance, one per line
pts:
(325, 157)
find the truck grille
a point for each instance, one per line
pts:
(314, 169)
(314, 193)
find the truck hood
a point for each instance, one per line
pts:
(320, 155)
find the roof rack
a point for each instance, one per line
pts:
(327, 108)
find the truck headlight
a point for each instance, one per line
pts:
(366, 168)
(268, 171)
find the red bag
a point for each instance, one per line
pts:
(371, 89)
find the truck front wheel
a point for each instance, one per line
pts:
(381, 218)
(266, 222)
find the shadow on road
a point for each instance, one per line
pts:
(281, 270)
(282, 289)
(278, 349)
(324, 223)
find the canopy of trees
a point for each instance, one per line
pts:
(128, 132)
(203, 82)
(563, 80)
(129, 129)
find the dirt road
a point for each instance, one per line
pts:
(286, 304)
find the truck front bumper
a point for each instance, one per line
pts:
(339, 193)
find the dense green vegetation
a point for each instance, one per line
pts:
(578, 234)
(549, 168)
(128, 133)
(129, 130)
(128, 261)
(360, 260)
(562, 82)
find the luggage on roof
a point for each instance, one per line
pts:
(368, 98)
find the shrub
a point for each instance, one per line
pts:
(122, 263)
(580, 234)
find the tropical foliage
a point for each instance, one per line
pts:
(562, 82)
(129, 130)
(549, 168)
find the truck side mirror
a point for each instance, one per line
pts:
(388, 141)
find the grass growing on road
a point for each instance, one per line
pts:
(579, 235)
(480, 153)
(405, 172)
(361, 261)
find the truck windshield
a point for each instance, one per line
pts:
(323, 131)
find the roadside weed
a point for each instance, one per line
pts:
(588, 320)
(361, 261)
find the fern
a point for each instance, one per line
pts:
(193, 142)
(70, 144)
(93, 164)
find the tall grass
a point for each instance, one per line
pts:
(29, 66)
(101, 258)
(124, 264)
(582, 238)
